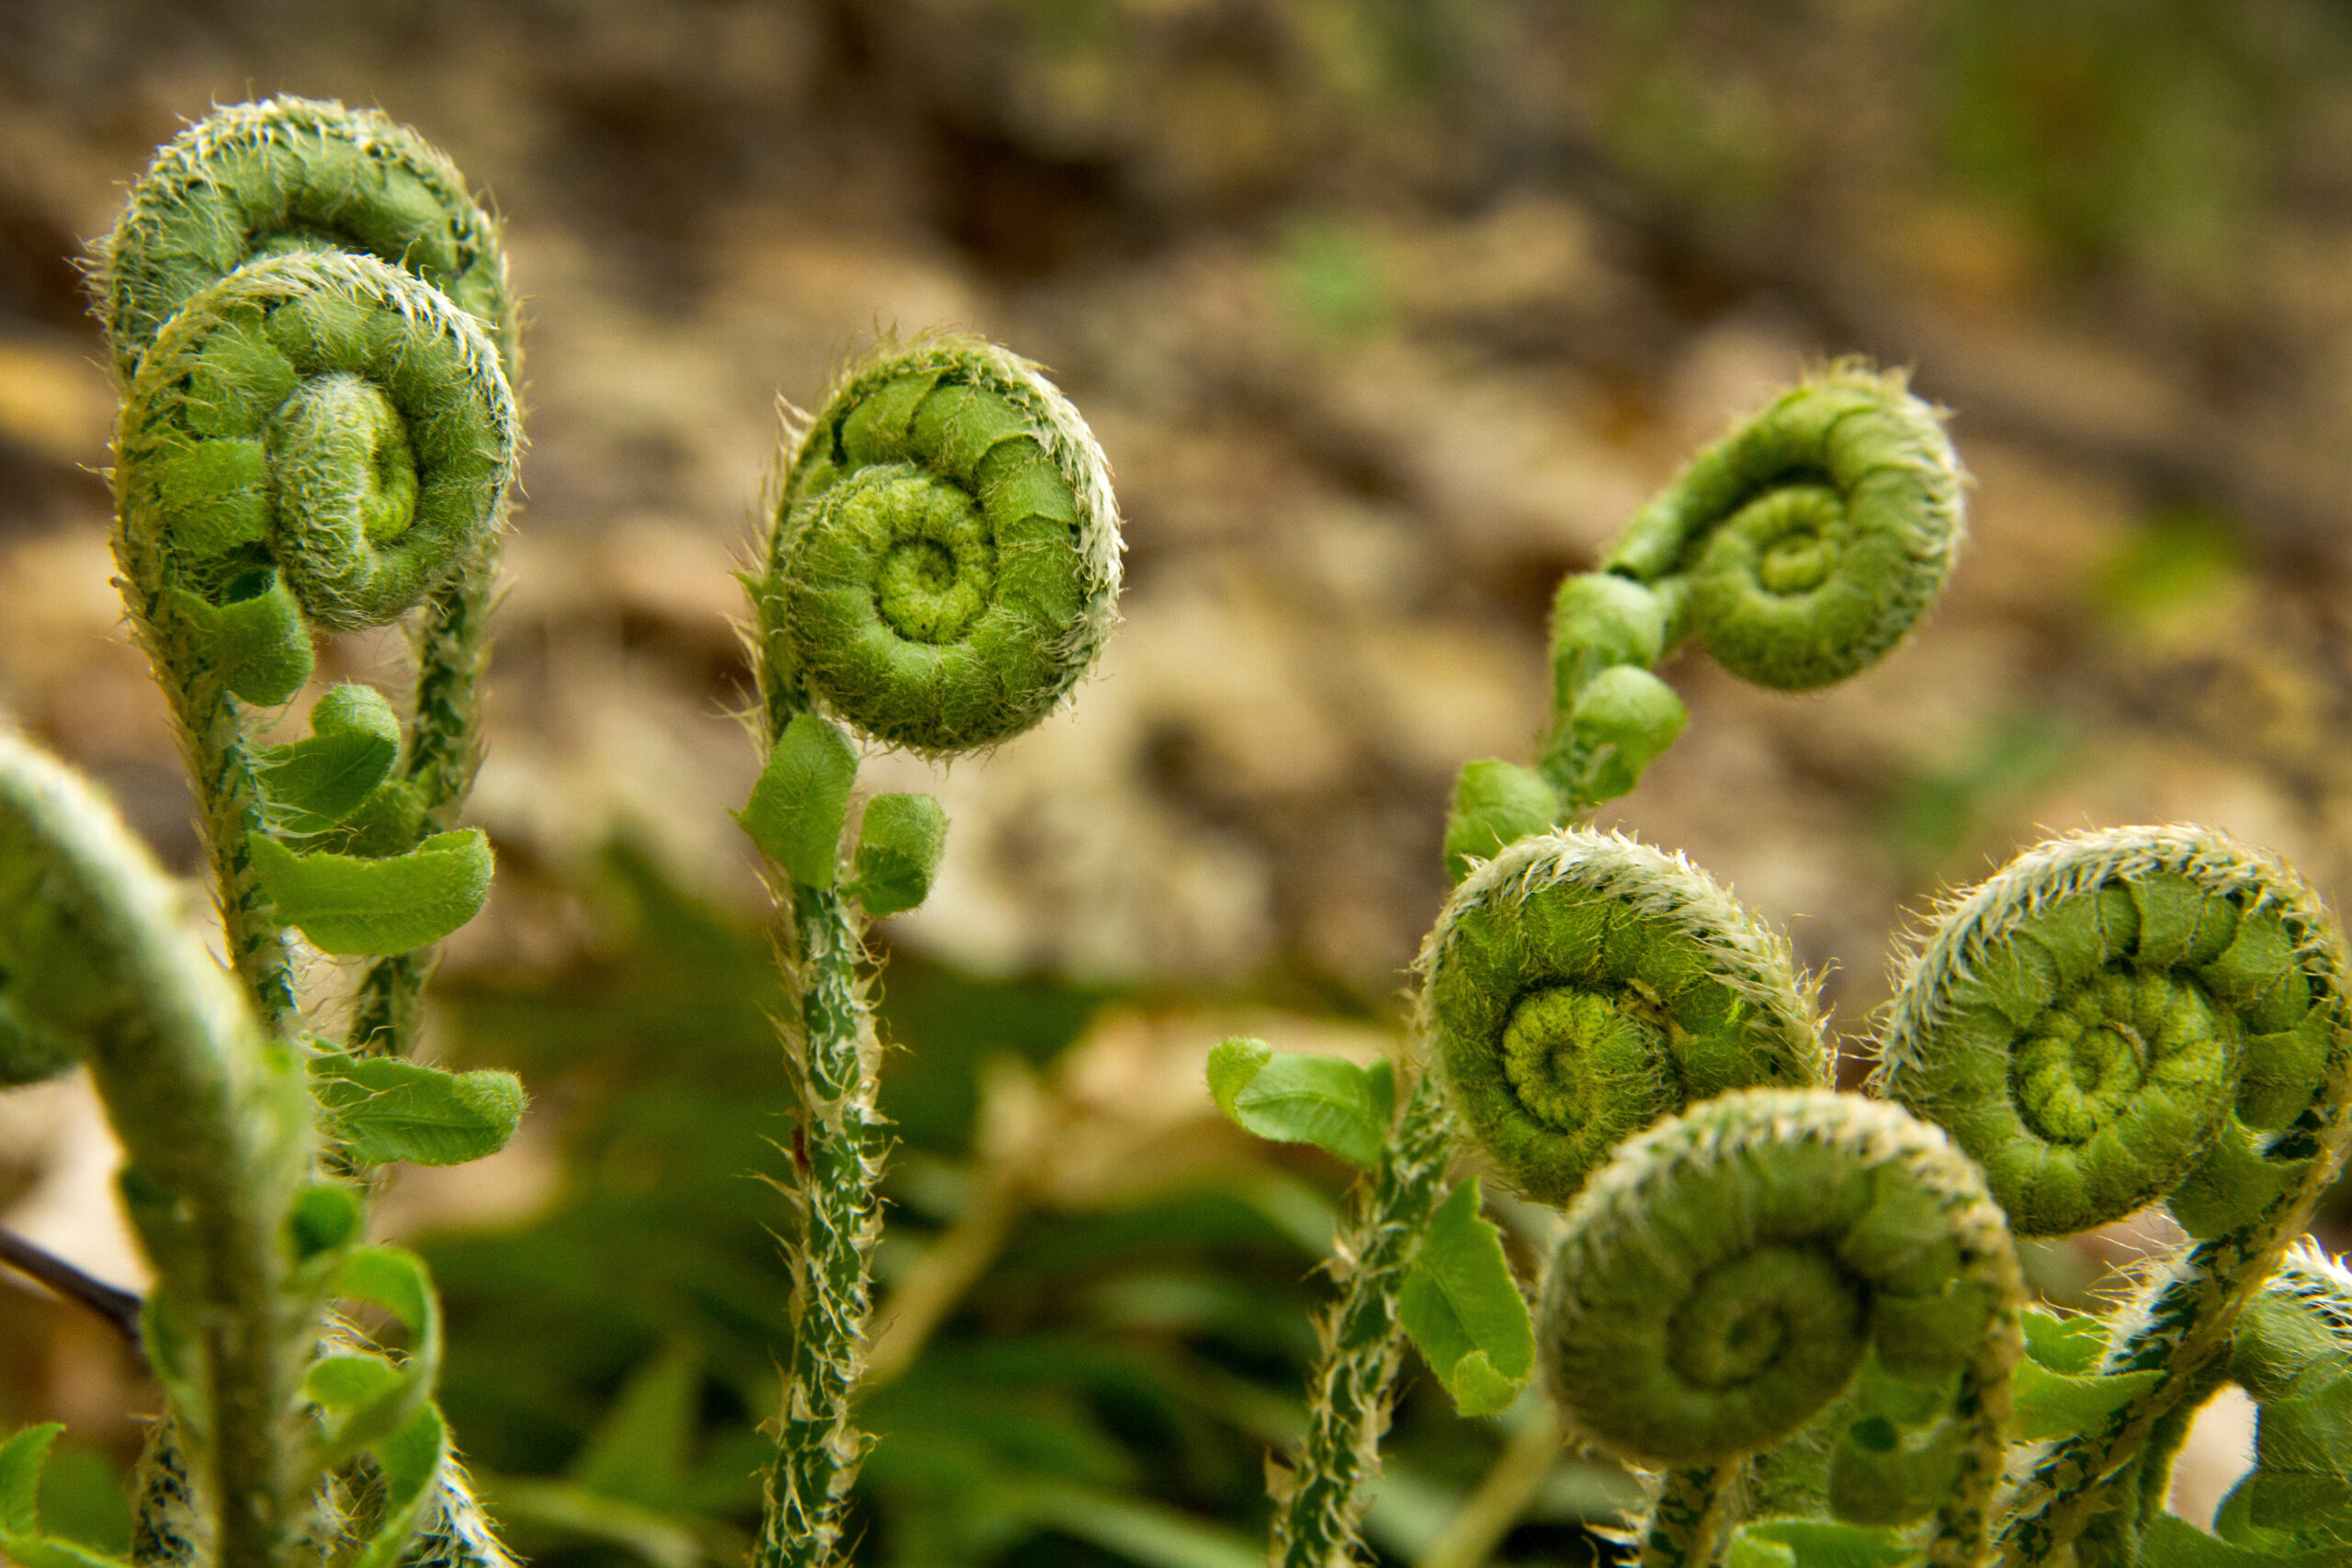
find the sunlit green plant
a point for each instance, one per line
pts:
(1800, 1312)
(311, 321)
(940, 568)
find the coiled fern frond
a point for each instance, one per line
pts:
(940, 569)
(1725, 1278)
(1580, 985)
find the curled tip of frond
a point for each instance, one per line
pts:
(256, 179)
(945, 560)
(2127, 1015)
(1581, 985)
(1844, 1222)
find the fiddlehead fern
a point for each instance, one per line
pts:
(1798, 550)
(315, 438)
(1580, 985)
(939, 572)
(2120, 1018)
(946, 553)
(1726, 1276)
(294, 176)
(311, 318)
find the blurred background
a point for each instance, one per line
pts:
(1388, 313)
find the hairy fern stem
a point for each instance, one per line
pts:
(1352, 1388)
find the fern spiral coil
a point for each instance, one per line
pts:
(264, 184)
(940, 569)
(1799, 550)
(2124, 1016)
(947, 548)
(1580, 985)
(1724, 1276)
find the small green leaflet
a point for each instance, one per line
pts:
(354, 742)
(2059, 1404)
(1494, 803)
(22, 1459)
(326, 1217)
(1627, 707)
(409, 1460)
(795, 810)
(2057, 1394)
(899, 845)
(349, 904)
(1289, 1096)
(2069, 1345)
(382, 1109)
(1462, 1309)
(409, 1455)
(1817, 1543)
(256, 643)
(2173, 1542)
(376, 1406)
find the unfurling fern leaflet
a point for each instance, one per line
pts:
(2126, 1017)
(2292, 1352)
(339, 469)
(1798, 550)
(940, 569)
(1732, 1272)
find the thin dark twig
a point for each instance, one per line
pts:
(117, 1306)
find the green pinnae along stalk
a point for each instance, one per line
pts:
(1799, 549)
(215, 1119)
(940, 570)
(2123, 1016)
(294, 175)
(2292, 1352)
(1725, 1277)
(1580, 985)
(946, 550)
(316, 438)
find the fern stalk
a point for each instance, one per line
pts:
(1352, 1386)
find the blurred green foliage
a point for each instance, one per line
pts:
(2175, 565)
(1933, 815)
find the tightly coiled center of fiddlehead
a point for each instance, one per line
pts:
(2116, 1049)
(1580, 985)
(937, 573)
(314, 437)
(947, 552)
(1571, 1055)
(1779, 1312)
